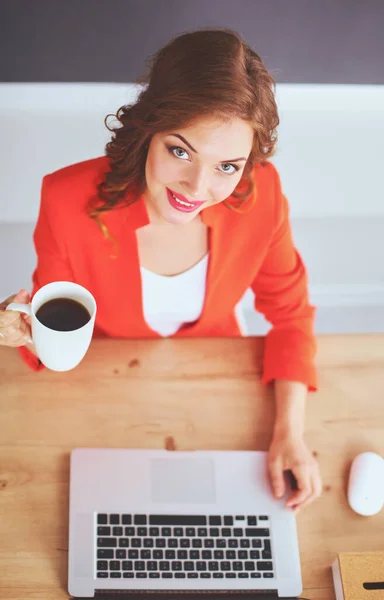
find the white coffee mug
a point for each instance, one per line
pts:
(59, 350)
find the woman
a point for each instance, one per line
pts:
(181, 216)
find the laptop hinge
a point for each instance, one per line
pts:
(185, 595)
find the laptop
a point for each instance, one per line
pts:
(160, 524)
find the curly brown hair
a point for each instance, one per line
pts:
(208, 72)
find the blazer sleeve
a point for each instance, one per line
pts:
(281, 294)
(52, 257)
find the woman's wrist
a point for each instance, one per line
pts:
(290, 402)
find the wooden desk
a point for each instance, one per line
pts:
(183, 394)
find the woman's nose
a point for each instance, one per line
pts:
(197, 186)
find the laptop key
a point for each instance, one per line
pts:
(233, 544)
(237, 566)
(142, 531)
(255, 554)
(189, 566)
(242, 554)
(160, 543)
(192, 575)
(148, 543)
(133, 554)
(228, 521)
(209, 543)
(178, 531)
(254, 532)
(128, 575)
(141, 575)
(103, 531)
(267, 545)
(205, 575)
(126, 519)
(202, 532)
(221, 543)
(102, 575)
(213, 565)
(158, 554)
(139, 565)
(264, 566)
(214, 532)
(190, 531)
(167, 575)
(256, 543)
(129, 531)
(176, 565)
(102, 519)
(105, 554)
(237, 532)
(185, 543)
(140, 519)
(178, 520)
(215, 520)
(266, 555)
(170, 554)
(218, 575)
(268, 575)
(173, 543)
(152, 565)
(145, 554)
(123, 542)
(206, 554)
(197, 543)
(255, 575)
(166, 531)
(182, 554)
(154, 575)
(243, 575)
(127, 565)
(218, 554)
(245, 543)
(115, 575)
(249, 565)
(121, 554)
(180, 575)
(114, 565)
(263, 518)
(230, 575)
(164, 565)
(225, 566)
(194, 554)
(114, 519)
(136, 543)
(102, 565)
(107, 542)
(252, 521)
(201, 566)
(154, 531)
(226, 532)
(230, 554)
(117, 531)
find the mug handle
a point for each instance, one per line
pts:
(24, 308)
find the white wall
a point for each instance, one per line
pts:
(330, 159)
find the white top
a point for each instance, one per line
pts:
(171, 301)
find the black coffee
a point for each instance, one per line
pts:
(63, 314)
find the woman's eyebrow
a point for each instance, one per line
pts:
(195, 151)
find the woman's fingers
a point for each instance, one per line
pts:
(14, 329)
(304, 490)
(276, 475)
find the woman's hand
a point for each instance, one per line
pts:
(289, 452)
(15, 329)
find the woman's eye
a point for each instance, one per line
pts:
(234, 167)
(177, 151)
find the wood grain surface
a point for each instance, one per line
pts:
(182, 395)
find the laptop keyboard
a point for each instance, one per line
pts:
(183, 547)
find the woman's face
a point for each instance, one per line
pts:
(195, 167)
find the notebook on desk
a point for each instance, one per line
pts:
(155, 524)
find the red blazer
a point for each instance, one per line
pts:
(246, 250)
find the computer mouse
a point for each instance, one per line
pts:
(366, 484)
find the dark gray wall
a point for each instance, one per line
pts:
(310, 41)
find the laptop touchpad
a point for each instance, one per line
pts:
(182, 480)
